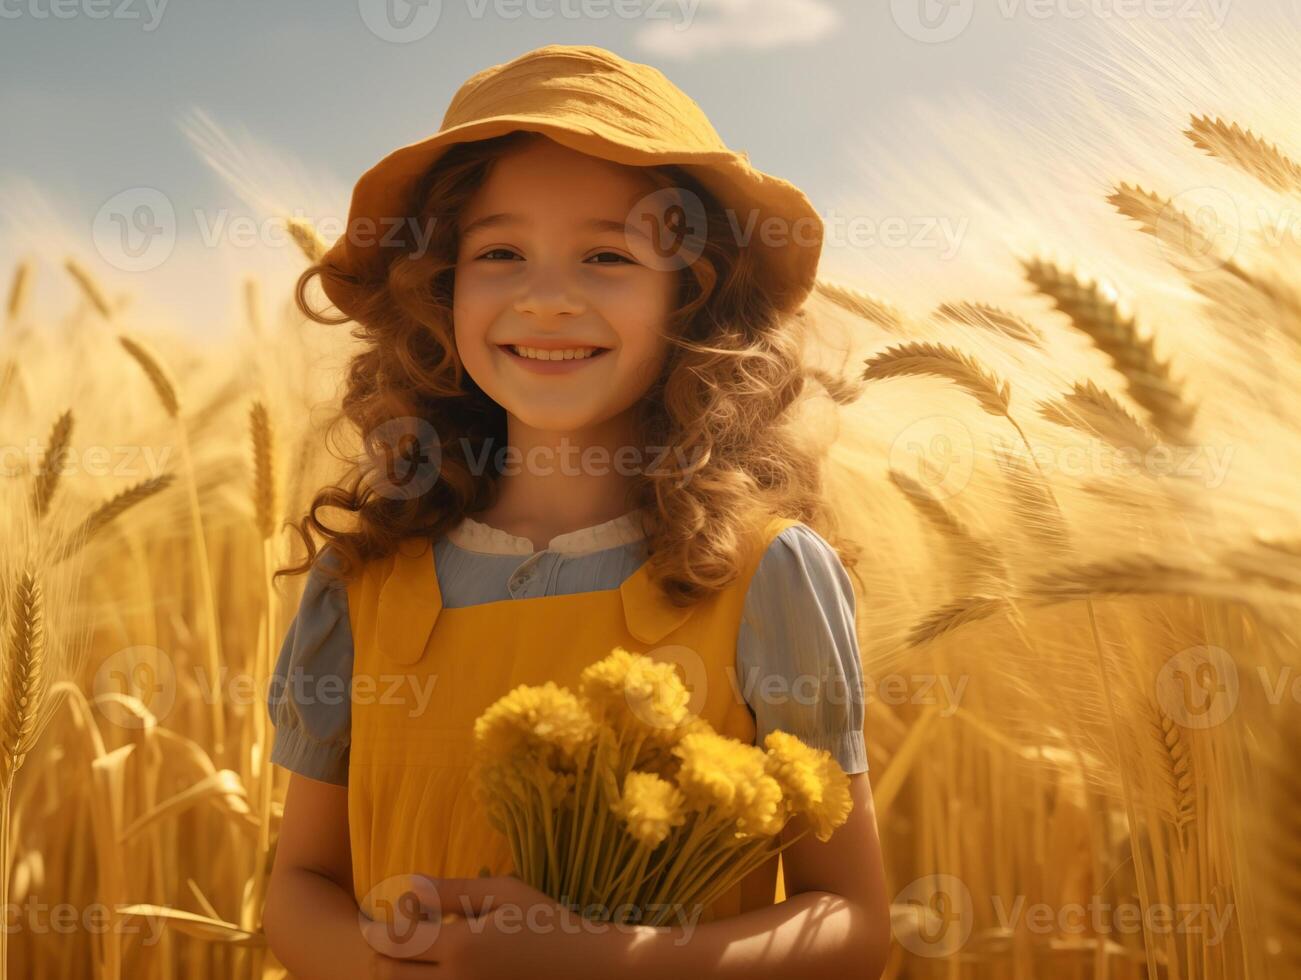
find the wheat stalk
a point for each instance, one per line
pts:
(47, 477)
(1095, 411)
(921, 358)
(992, 318)
(1247, 151)
(309, 242)
(859, 303)
(1097, 316)
(89, 288)
(158, 375)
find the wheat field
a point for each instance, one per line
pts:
(1079, 610)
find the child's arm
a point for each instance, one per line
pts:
(311, 917)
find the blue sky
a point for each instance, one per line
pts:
(310, 92)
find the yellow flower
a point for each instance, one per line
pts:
(631, 690)
(650, 807)
(812, 782)
(721, 774)
(546, 723)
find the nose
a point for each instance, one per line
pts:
(546, 292)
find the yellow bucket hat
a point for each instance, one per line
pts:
(590, 100)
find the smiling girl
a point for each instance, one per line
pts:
(577, 386)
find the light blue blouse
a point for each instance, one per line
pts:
(797, 656)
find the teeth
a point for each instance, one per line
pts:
(567, 354)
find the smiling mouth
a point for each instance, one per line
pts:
(552, 357)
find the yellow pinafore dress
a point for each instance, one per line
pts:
(422, 674)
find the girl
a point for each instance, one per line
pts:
(577, 386)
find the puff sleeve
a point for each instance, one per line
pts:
(797, 654)
(308, 695)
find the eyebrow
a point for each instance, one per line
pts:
(592, 224)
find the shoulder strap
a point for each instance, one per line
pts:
(650, 614)
(409, 602)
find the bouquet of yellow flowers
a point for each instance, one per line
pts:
(619, 801)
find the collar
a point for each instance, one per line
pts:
(410, 601)
(476, 536)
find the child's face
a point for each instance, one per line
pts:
(543, 275)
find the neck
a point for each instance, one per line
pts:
(557, 482)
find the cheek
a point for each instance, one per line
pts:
(471, 317)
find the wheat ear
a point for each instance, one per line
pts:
(859, 303)
(253, 308)
(1149, 380)
(18, 289)
(306, 238)
(952, 615)
(1247, 151)
(264, 475)
(1096, 411)
(1033, 501)
(155, 372)
(89, 288)
(1176, 764)
(47, 477)
(980, 556)
(109, 511)
(992, 318)
(1129, 575)
(921, 358)
(23, 666)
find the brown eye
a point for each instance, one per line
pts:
(495, 251)
(621, 258)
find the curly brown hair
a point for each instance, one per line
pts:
(726, 399)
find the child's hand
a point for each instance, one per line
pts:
(473, 928)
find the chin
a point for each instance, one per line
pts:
(560, 423)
